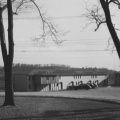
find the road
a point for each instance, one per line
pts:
(104, 93)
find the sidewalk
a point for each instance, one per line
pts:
(107, 93)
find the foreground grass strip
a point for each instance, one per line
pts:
(36, 108)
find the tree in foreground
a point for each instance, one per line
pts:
(101, 13)
(7, 53)
(7, 46)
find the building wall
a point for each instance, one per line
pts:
(69, 80)
(117, 79)
(114, 79)
(49, 79)
(47, 87)
(51, 82)
(43, 82)
(31, 84)
(65, 81)
(21, 83)
(111, 80)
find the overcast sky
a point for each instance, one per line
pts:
(81, 48)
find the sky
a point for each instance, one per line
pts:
(80, 47)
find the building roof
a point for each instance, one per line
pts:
(84, 74)
(52, 75)
(41, 72)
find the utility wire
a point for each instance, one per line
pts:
(68, 17)
(61, 17)
(65, 51)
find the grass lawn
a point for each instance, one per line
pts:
(45, 108)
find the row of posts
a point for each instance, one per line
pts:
(52, 87)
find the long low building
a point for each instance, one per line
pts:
(50, 82)
(74, 80)
(39, 80)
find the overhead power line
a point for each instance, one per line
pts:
(68, 17)
(19, 57)
(61, 17)
(67, 44)
(66, 51)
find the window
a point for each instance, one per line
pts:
(47, 78)
(79, 77)
(92, 76)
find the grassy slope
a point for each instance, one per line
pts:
(58, 108)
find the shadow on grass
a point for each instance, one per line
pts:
(91, 114)
(105, 113)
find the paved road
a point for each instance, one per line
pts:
(107, 93)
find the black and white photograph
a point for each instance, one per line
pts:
(59, 59)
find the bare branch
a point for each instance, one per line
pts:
(98, 24)
(112, 49)
(20, 4)
(95, 16)
(5, 6)
(116, 28)
(114, 1)
(108, 43)
(52, 31)
(48, 28)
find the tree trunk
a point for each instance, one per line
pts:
(9, 94)
(7, 57)
(110, 26)
(114, 37)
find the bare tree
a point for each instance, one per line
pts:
(8, 49)
(7, 54)
(101, 13)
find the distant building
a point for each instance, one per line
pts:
(46, 81)
(114, 79)
(42, 72)
(74, 80)
(37, 82)
(40, 80)
(20, 82)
